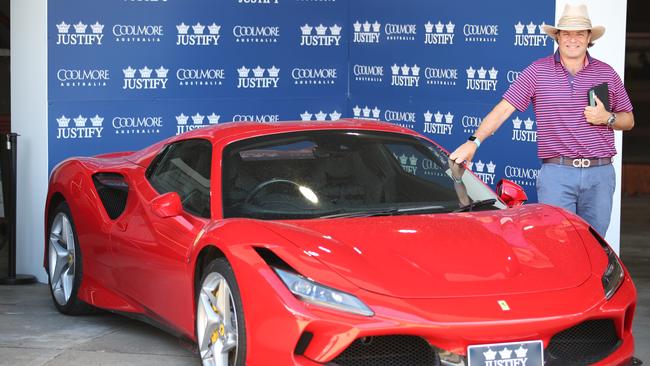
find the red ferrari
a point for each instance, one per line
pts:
(344, 243)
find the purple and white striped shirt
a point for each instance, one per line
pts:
(559, 102)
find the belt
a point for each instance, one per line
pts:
(578, 162)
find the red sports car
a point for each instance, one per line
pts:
(334, 243)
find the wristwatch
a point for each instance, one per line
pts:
(475, 140)
(611, 120)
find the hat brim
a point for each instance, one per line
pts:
(596, 32)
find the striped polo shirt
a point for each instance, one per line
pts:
(559, 101)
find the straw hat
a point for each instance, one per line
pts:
(575, 18)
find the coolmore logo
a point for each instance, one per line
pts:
(366, 32)
(188, 123)
(258, 2)
(405, 76)
(200, 77)
(400, 118)
(369, 73)
(440, 76)
(400, 32)
(530, 38)
(366, 113)
(137, 125)
(256, 34)
(82, 78)
(432, 169)
(263, 118)
(200, 35)
(512, 76)
(484, 171)
(81, 127)
(324, 36)
(482, 79)
(439, 34)
(470, 124)
(320, 116)
(258, 80)
(146, 1)
(520, 175)
(146, 80)
(309, 76)
(438, 123)
(481, 33)
(525, 132)
(137, 33)
(79, 35)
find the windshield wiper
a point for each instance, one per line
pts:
(473, 205)
(385, 211)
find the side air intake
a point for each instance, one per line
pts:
(113, 192)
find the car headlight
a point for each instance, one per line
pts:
(315, 293)
(614, 274)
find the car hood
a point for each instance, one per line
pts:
(521, 250)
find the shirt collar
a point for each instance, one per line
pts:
(558, 60)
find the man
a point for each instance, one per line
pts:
(575, 140)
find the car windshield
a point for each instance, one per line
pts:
(344, 173)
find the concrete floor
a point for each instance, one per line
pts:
(32, 332)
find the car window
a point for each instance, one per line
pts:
(184, 167)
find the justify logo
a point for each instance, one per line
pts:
(79, 37)
(488, 176)
(482, 33)
(321, 38)
(137, 125)
(525, 134)
(146, 79)
(438, 76)
(75, 78)
(408, 163)
(505, 357)
(256, 34)
(530, 38)
(369, 114)
(405, 76)
(400, 32)
(482, 83)
(320, 116)
(366, 32)
(444, 33)
(205, 77)
(199, 37)
(79, 129)
(258, 80)
(433, 123)
(197, 122)
(137, 33)
(403, 119)
(313, 76)
(371, 73)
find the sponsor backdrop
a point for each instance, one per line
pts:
(125, 73)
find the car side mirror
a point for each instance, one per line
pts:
(167, 205)
(511, 193)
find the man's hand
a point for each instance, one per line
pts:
(597, 115)
(464, 153)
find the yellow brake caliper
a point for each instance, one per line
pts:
(221, 329)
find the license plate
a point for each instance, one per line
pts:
(530, 353)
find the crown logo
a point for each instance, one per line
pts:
(335, 30)
(428, 28)
(427, 116)
(182, 28)
(129, 72)
(306, 29)
(366, 26)
(403, 159)
(491, 166)
(335, 116)
(243, 72)
(405, 70)
(96, 28)
(438, 117)
(213, 119)
(320, 30)
(470, 72)
(528, 123)
(306, 116)
(376, 26)
(517, 123)
(63, 121)
(531, 27)
(320, 116)
(489, 355)
(181, 119)
(493, 73)
(481, 73)
(505, 353)
(80, 121)
(479, 166)
(541, 27)
(356, 111)
(413, 160)
(145, 72)
(96, 121)
(519, 28)
(439, 27)
(63, 27)
(450, 27)
(449, 118)
(415, 70)
(80, 28)
(375, 112)
(273, 72)
(521, 352)
(161, 72)
(258, 72)
(197, 119)
(356, 26)
(198, 28)
(394, 69)
(366, 112)
(214, 28)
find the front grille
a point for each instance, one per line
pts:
(583, 344)
(394, 350)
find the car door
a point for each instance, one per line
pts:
(150, 251)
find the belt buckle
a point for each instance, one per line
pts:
(581, 163)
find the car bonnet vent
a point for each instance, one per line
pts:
(113, 192)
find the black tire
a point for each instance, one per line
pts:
(73, 305)
(223, 268)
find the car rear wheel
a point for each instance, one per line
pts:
(220, 329)
(64, 263)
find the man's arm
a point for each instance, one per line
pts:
(488, 127)
(598, 115)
